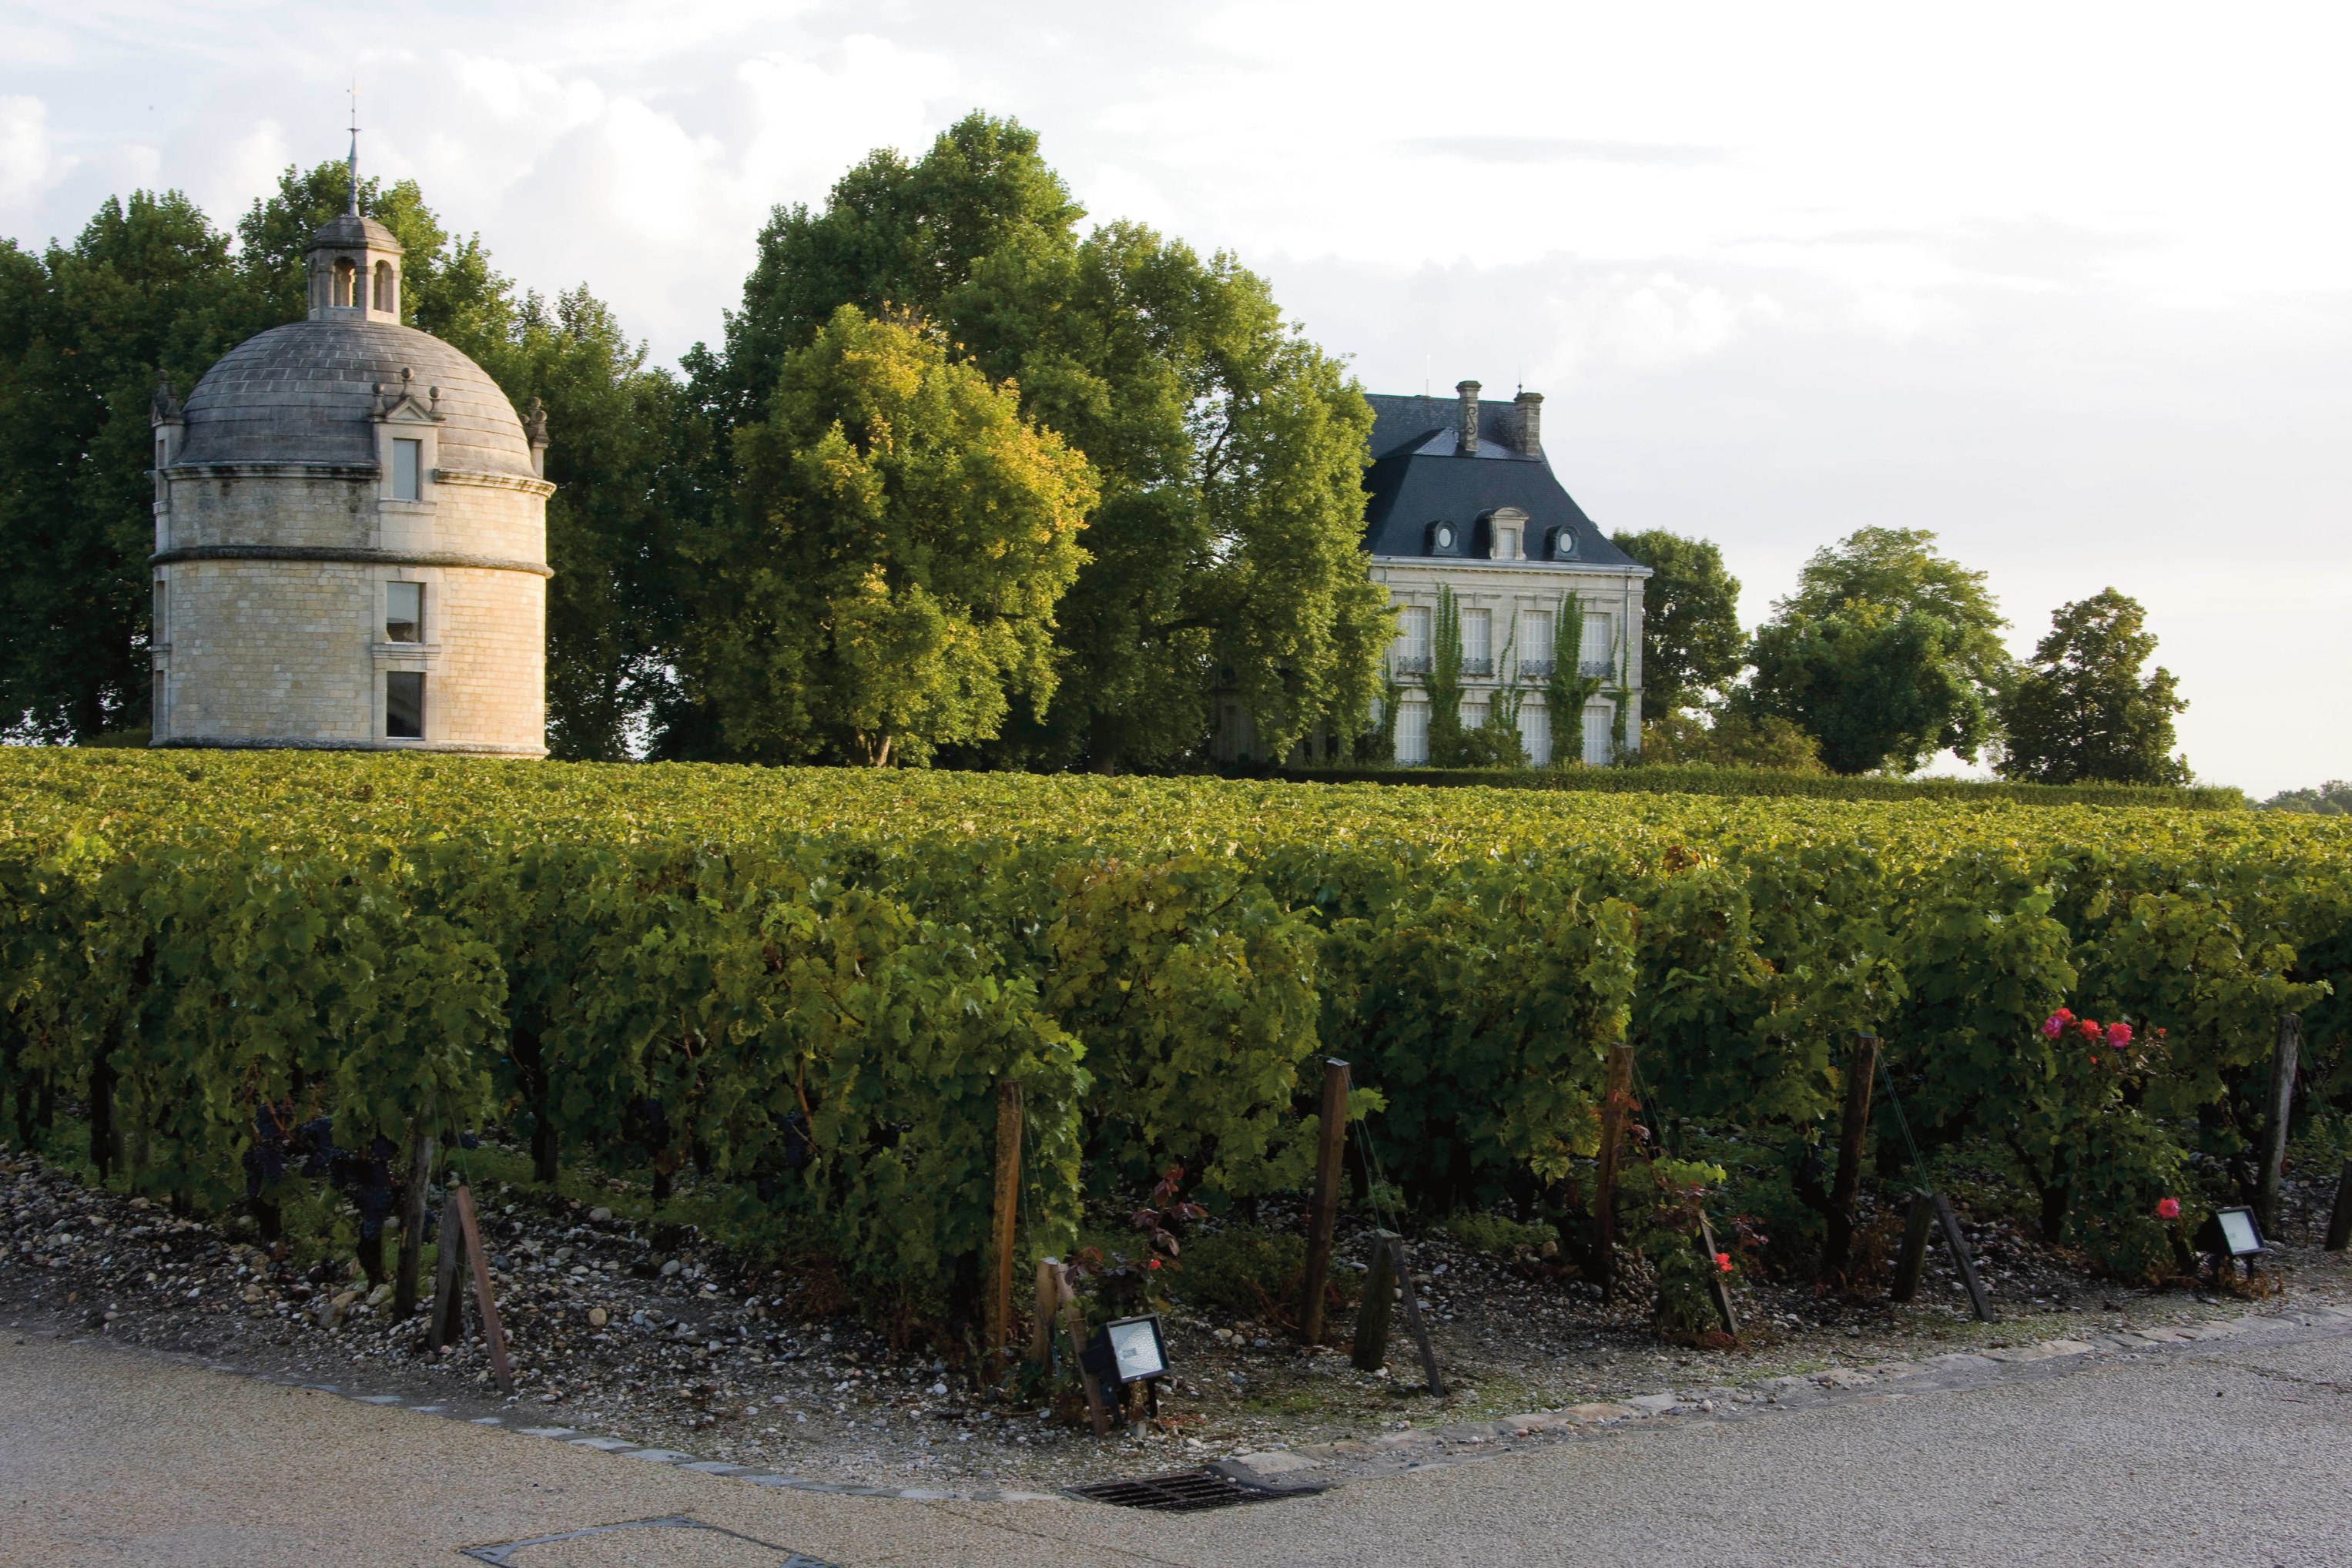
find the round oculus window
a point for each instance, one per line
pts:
(1445, 536)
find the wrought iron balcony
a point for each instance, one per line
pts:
(1407, 666)
(1477, 667)
(1535, 669)
(1599, 666)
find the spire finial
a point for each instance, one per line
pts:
(355, 147)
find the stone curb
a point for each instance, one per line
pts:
(1320, 1466)
(1394, 1453)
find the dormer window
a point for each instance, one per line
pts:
(387, 295)
(346, 278)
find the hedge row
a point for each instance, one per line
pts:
(810, 980)
(1696, 779)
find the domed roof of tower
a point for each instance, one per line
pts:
(354, 230)
(309, 392)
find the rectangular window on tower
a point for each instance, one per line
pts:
(403, 612)
(403, 705)
(407, 469)
(161, 635)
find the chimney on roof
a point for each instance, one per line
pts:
(1468, 392)
(1531, 422)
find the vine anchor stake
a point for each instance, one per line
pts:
(2278, 1111)
(1332, 1145)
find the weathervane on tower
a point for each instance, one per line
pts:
(355, 147)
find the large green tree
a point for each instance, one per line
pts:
(147, 290)
(2087, 709)
(1691, 642)
(1887, 653)
(1226, 547)
(1876, 687)
(901, 538)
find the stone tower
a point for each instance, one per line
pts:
(351, 528)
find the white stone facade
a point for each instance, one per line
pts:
(343, 506)
(1523, 606)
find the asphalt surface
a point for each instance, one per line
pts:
(2237, 1452)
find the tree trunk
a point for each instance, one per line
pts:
(2054, 1210)
(370, 1254)
(544, 1148)
(101, 1109)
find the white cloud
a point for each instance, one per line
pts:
(25, 166)
(2064, 283)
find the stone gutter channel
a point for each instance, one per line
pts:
(1321, 1466)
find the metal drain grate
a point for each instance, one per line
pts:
(1186, 1491)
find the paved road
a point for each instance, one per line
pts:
(2239, 1455)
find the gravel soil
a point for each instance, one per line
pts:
(644, 1331)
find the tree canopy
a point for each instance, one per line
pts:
(148, 288)
(2086, 708)
(1225, 552)
(1691, 642)
(1887, 653)
(889, 583)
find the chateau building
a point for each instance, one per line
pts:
(349, 533)
(1463, 498)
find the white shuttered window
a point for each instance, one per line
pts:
(1597, 717)
(1600, 641)
(1535, 733)
(1412, 735)
(1534, 636)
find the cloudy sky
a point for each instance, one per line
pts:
(2069, 284)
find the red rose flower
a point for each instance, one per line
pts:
(2168, 1208)
(1722, 1261)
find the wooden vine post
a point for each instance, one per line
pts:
(461, 1238)
(1049, 1302)
(1614, 1102)
(1008, 1209)
(1326, 1218)
(1372, 1351)
(1074, 1321)
(2339, 1222)
(1918, 1225)
(1853, 1130)
(2278, 1111)
(412, 1216)
(1409, 1294)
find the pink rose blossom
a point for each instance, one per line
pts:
(2119, 1034)
(2053, 1026)
(2168, 1208)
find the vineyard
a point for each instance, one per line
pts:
(253, 975)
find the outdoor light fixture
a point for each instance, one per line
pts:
(1128, 1350)
(2230, 1232)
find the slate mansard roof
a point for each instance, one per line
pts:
(1420, 476)
(305, 392)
